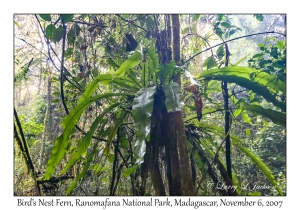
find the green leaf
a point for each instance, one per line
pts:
(45, 17)
(132, 76)
(258, 162)
(114, 130)
(237, 112)
(16, 23)
(69, 52)
(259, 17)
(174, 98)
(112, 63)
(69, 123)
(226, 25)
(142, 109)
(130, 170)
(85, 141)
(280, 44)
(276, 117)
(131, 62)
(255, 80)
(50, 29)
(124, 143)
(248, 132)
(66, 18)
(84, 170)
(125, 82)
(153, 55)
(149, 23)
(246, 117)
(95, 72)
(220, 52)
(210, 62)
(103, 78)
(58, 34)
(111, 158)
(71, 36)
(254, 193)
(258, 55)
(166, 70)
(220, 17)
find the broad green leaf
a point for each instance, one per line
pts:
(131, 62)
(69, 123)
(142, 109)
(246, 117)
(103, 78)
(130, 170)
(276, 117)
(153, 55)
(84, 170)
(66, 18)
(50, 29)
(45, 17)
(255, 80)
(280, 44)
(237, 112)
(174, 98)
(85, 141)
(58, 34)
(258, 162)
(226, 25)
(220, 52)
(125, 82)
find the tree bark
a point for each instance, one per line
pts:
(176, 121)
(46, 122)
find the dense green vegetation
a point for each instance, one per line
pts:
(150, 104)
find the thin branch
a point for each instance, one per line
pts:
(62, 70)
(32, 46)
(131, 22)
(230, 40)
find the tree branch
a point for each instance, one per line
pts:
(230, 40)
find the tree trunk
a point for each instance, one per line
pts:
(176, 125)
(46, 122)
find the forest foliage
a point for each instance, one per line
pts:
(149, 104)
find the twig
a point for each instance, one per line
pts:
(230, 40)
